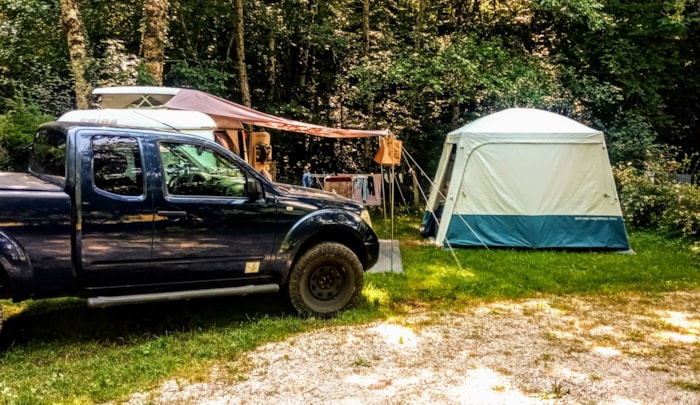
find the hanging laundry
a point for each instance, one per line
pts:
(360, 190)
(366, 188)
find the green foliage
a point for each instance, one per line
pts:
(631, 138)
(17, 127)
(643, 198)
(205, 76)
(652, 198)
(682, 218)
(33, 54)
(116, 66)
(627, 60)
(453, 80)
(143, 76)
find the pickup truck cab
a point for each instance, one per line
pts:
(126, 215)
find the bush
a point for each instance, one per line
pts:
(17, 129)
(644, 195)
(683, 216)
(651, 199)
(631, 138)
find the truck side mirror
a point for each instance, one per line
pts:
(253, 188)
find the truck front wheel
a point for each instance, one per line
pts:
(327, 279)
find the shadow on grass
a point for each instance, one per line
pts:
(69, 320)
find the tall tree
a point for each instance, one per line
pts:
(271, 62)
(365, 26)
(240, 55)
(77, 44)
(154, 37)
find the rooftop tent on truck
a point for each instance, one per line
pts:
(188, 122)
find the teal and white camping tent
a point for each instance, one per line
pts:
(525, 178)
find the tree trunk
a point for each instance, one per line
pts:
(304, 67)
(272, 64)
(419, 25)
(154, 36)
(306, 52)
(456, 114)
(370, 102)
(365, 25)
(77, 44)
(240, 55)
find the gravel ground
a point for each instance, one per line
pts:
(621, 349)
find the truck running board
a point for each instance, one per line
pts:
(103, 302)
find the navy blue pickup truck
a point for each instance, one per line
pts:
(125, 216)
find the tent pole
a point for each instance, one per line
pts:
(381, 170)
(393, 172)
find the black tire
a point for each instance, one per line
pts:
(328, 278)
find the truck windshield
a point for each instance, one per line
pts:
(48, 157)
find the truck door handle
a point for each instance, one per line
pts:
(172, 214)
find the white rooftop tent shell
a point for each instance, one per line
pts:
(189, 122)
(526, 178)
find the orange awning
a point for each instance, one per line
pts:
(223, 110)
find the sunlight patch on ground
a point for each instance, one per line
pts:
(569, 374)
(485, 386)
(532, 307)
(560, 335)
(378, 382)
(679, 337)
(606, 351)
(397, 335)
(681, 320)
(624, 401)
(688, 325)
(605, 332)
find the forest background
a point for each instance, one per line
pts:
(419, 68)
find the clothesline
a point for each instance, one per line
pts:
(364, 188)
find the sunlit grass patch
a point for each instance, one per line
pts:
(376, 295)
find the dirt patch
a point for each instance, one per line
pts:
(621, 349)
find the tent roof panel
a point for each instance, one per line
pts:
(523, 121)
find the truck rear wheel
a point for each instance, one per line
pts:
(328, 278)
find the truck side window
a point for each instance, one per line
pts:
(116, 165)
(48, 155)
(195, 170)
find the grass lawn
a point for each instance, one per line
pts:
(59, 351)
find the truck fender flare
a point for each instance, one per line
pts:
(15, 262)
(343, 223)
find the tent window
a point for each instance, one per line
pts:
(445, 183)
